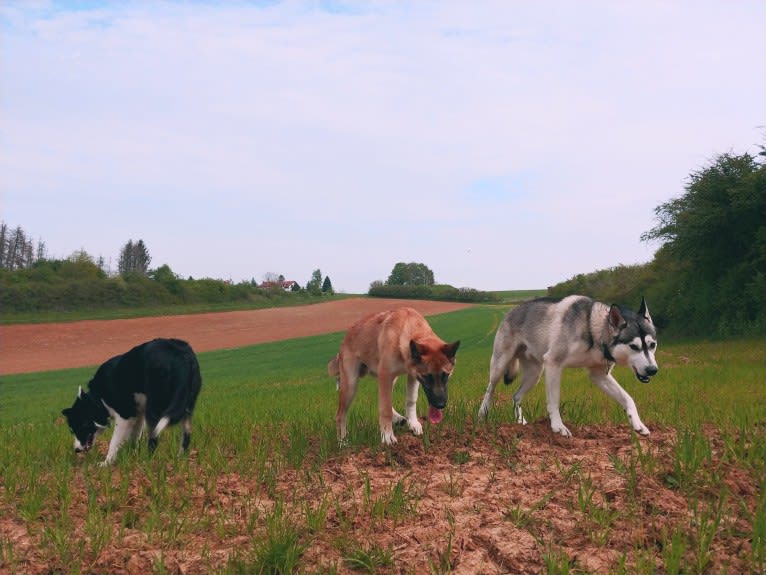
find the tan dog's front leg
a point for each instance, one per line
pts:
(412, 401)
(385, 407)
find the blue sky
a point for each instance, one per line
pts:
(506, 145)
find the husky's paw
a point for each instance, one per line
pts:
(387, 437)
(483, 410)
(561, 430)
(638, 425)
(643, 430)
(415, 427)
(519, 415)
(105, 463)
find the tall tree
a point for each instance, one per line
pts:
(327, 286)
(411, 274)
(134, 258)
(42, 251)
(714, 241)
(17, 251)
(3, 245)
(314, 285)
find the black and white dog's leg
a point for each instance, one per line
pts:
(138, 429)
(608, 384)
(155, 429)
(185, 434)
(123, 430)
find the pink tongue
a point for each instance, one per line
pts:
(435, 415)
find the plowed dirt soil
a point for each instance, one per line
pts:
(46, 346)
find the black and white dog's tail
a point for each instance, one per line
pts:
(181, 406)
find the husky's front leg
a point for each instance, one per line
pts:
(608, 384)
(412, 400)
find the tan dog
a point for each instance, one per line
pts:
(387, 345)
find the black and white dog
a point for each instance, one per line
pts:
(156, 382)
(573, 332)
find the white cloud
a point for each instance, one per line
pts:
(503, 144)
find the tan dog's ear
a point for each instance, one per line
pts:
(450, 349)
(415, 351)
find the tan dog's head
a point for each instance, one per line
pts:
(432, 365)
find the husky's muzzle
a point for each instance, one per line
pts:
(649, 372)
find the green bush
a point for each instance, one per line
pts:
(437, 292)
(71, 286)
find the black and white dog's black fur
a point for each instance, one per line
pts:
(573, 332)
(156, 382)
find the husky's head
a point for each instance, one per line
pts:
(634, 341)
(86, 418)
(433, 367)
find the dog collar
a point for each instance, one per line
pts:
(610, 361)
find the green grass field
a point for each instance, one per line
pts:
(267, 412)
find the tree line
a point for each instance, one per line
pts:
(31, 282)
(17, 250)
(708, 277)
(415, 280)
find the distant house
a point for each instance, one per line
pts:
(286, 285)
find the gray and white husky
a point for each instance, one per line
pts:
(573, 332)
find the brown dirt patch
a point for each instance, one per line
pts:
(510, 499)
(41, 347)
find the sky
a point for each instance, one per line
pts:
(505, 144)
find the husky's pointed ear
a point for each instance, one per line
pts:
(450, 349)
(643, 310)
(415, 351)
(615, 317)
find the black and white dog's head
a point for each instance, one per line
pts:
(86, 418)
(634, 340)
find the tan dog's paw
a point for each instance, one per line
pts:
(416, 427)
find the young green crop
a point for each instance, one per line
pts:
(267, 412)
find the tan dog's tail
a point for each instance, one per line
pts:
(333, 369)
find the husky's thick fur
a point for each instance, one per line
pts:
(547, 334)
(387, 345)
(156, 382)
